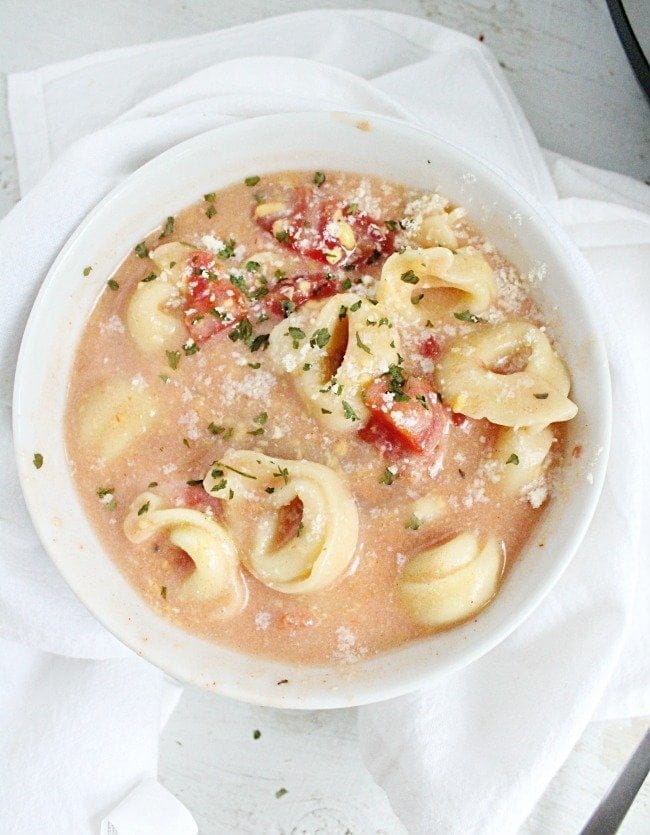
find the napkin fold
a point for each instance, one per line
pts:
(475, 753)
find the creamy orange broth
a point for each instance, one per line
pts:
(360, 614)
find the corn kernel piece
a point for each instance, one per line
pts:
(266, 209)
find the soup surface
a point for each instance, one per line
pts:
(316, 415)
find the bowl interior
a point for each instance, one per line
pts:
(379, 146)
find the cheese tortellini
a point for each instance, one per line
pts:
(333, 351)
(153, 323)
(113, 414)
(216, 576)
(471, 378)
(436, 224)
(257, 488)
(411, 280)
(451, 582)
(521, 455)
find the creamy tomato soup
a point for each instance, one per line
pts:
(316, 415)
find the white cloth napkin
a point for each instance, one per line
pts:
(474, 754)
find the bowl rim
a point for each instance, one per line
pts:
(561, 242)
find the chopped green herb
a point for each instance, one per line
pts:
(410, 277)
(87, 271)
(210, 197)
(144, 508)
(388, 477)
(352, 208)
(296, 335)
(282, 473)
(320, 338)
(227, 250)
(240, 472)
(362, 345)
(280, 792)
(253, 266)
(152, 484)
(190, 348)
(422, 400)
(261, 418)
(150, 277)
(113, 284)
(213, 429)
(319, 178)
(413, 523)
(254, 365)
(257, 734)
(194, 482)
(186, 443)
(283, 236)
(242, 331)
(258, 431)
(346, 284)
(306, 366)
(354, 307)
(260, 341)
(141, 250)
(301, 528)
(279, 274)
(173, 358)
(168, 228)
(392, 225)
(219, 485)
(466, 316)
(252, 181)
(326, 411)
(396, 381)
(343, 311)
(211, 211)
(287, 307)
(514, 459)
(37, 460)
(541, 395)
(163, 592)
(349, 412)
(164, 377)
(461, 473)
(417, 299)
(269, 490)
(102, 492)
(240, 283)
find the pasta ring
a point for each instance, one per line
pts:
(451, 582)
(520, 455)
(407, 275)
(261, 486)
(330, 379)
(216, 576)
(113, 414)
(533, 396)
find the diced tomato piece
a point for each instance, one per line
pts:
(416, 424)
(300, 289)
(430, 348)
(211, 306)
(196, 496)
(309, 229)
(289, 520)
(458, 419)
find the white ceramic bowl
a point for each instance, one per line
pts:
(387, 148)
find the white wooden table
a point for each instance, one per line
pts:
(569, 72)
